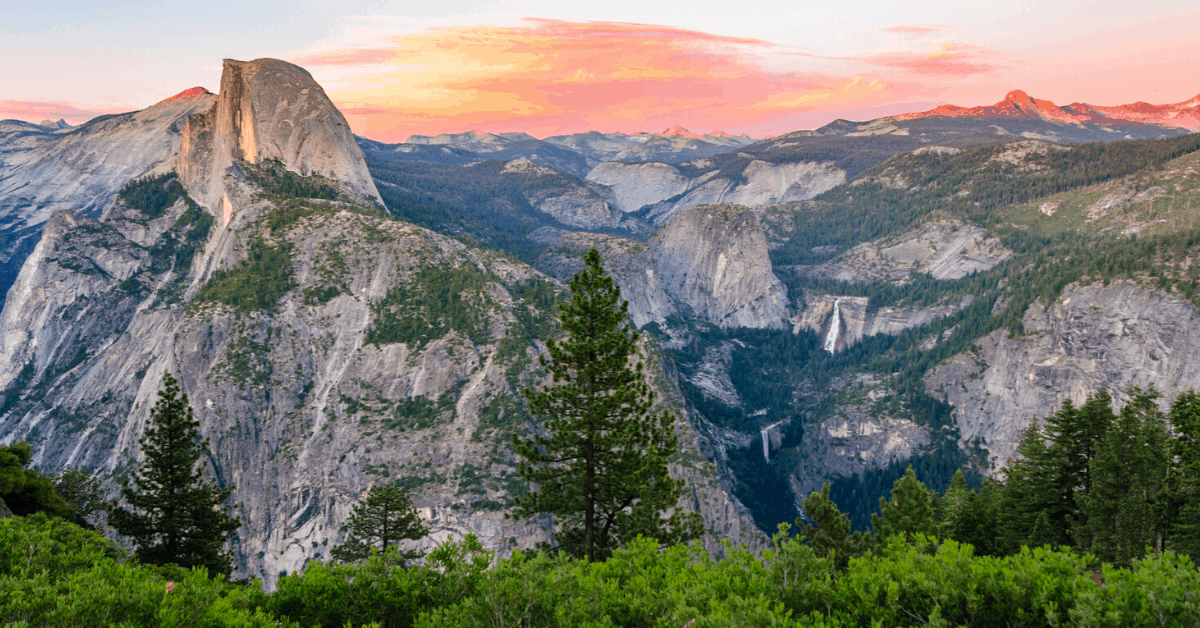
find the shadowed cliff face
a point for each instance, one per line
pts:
(81, 169)
(1090, 337)
(269, 110)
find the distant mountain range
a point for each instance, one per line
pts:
(1019, 105)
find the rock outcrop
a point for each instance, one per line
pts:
(947, 249)
(636, 185)
(760, 183)
(713, 261)
(708, 263)
(80, 169)
(1092, 337)
(857, 320)
(269, 110)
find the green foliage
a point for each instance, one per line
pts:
(175, 516)
(278, 183)
(1124, 505)
(254, 283)
(830, 532)
(430, 304)
(385, 517)
(53, 573)
(1181, 497)
(602, 468)
(153, 195)
(26, 491)
(909, 512)
(83, 493)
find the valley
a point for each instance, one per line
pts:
(824, 306)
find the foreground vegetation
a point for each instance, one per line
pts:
(53, 573)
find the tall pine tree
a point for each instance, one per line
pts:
(175, 515)
(1182, 490)
(601, 468)
(1124, 513)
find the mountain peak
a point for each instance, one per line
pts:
(1019, 104)
(679, 131)
(187, 93)
(269, 109)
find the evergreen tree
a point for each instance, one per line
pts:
(26, 491)
(175, 515)
(1124, 508)
(385, 517)
(83, 493)
(1182, 490)
(1040, 503)
(602, 467)
(829, 532)
(909, 512)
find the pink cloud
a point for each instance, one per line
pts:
(38, 110)
(912, 29)
(554, 76)
(952, 58)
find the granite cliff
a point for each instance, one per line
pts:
(1091, 337)
(709, 263)
(81, 169)
(325, 345)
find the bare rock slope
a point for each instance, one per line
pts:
(946, 249)
(80, 169)
(1092, 337)
(270, 110)
(709, 263)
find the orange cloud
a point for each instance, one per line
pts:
(551, 76)
(912, 29)
(951, 58)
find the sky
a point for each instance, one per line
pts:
(761, 67)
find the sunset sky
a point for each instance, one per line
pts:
(762, 67)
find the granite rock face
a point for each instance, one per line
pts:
(317, 393)
(708, 263)
(713, 261)
(947, 249)
(668, 192)
(80, 169)
(269, 110)
(1091, 337)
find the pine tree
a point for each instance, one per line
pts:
(385, 517)
(602, 467)
(829, 532)
(1040, 503)
(1124, 509)
(175, 515)
(1182, 489)
(909, 512)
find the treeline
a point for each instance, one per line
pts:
(1112, 484)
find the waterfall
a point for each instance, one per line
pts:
(835, 327)
(766, 443)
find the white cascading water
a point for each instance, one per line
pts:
(766, 444)
(835, 327)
